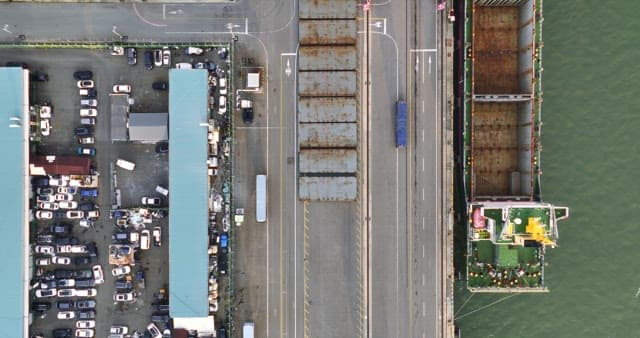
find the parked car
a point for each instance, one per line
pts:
(152, 201)
(45, 198)
(63, 197)
(120, 271)
(119, 330)
(66, 315)
(85, 283)
(17, 64)
(88, 121)
(160, 86)
(122, 88)
(45, 250)
(122, 284)
(97, 274)
(88, 192)
(132, 56)
(224, 241)
(83, 75)
(86, 292)
(45, 112)
(65, 305)
(157, 58)
(40, 306)
(62, 333)
(193, 51)
(82, 260)
(84, 304)
(148, 60)
(66, 190)
(88, 112)
(154, 331)
(44, 239)
(85, 324)
(61, 273)
(61, 260)
(247, 115)
(184, 65)
(66, 240)
(87, 314)
(86, 140)
(48, 206)
(222, 104)
(66, 283)
(86, 151)
(88, 92)
(83, 131)
(84, 333)
(39, 77)
(60, 228)
(166, 57)
(162, 147)
(40, 293)
(43, 261)
(45, 127)
(89, 102)
(68, 204)
(124, 297)
(63, 293)
(40, 181)
(144, 239)
(157, 236)
(79, 248)
(222, 83)
(44, 214)
(92, 214)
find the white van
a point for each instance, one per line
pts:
(222, 84)
(125, 164)
(161, 190)
(145, 239)
(247, 330)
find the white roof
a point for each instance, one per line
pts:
(253, 80)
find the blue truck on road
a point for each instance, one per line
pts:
(401, 124)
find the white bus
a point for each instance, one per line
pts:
(261, 198)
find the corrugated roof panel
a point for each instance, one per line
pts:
(326, 109)
(327, 9)
(328, 161)
(327, 83)
(328, 188)
(188, 193)
(14, 131)
(327, 135)
(327, 58)
(327, 32)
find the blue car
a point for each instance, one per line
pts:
(89, 192)
(86, 151)
(224, 241)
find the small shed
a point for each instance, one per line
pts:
(253, 80)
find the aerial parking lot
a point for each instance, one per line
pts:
(99, 228)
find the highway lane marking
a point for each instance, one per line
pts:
(423, 50)
(423, 194)
(423, 279)
(423, 164)
(422, 254)
(424, 309)
(422, 223)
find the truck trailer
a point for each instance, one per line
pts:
(401, 124)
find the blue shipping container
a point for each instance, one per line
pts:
(401, 124)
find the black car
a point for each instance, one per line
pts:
(39, 77)
(85, 283)
(40, 181)
(84, 273)
(160, 86)
(17, 64)
(83, 75)
(162, 147)
(247, 115)
(122, 284)
(86, 314)
(160, 318)
(148, 60)
(222, 263)
(83, 131)
(132, 56)
(222, 333)
(45, 239)
(40, 306)
(59, 273)
(161, 308)
(92, 249)
(87, 206)
(60, 228)
(62, 333)
(64, 305)
(59, 214)
(67, 241)
(90, 94)
(82, 260)
(86, 304)
(48, 284)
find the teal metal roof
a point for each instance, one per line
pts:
(13, 224)
(188, 197)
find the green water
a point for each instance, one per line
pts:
(591, 160)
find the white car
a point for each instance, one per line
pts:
(119, 330)
(122, 88)
(48, 206)
(98, 276)
(79, 248)
(40, 293)
(45, 198)
(84, 333)
(64, 293)
(155, 201)
(43, 261)
(86, 292)
(63, 248)
(85, 324)
(67, 190)
(88, 112)
(44, 214)
(45, 127)
(66, 315)
(61, 260)
(63, 197)
(89, 102)
(66, 283)
(157, 236)
(222, 105)
(86, 140)
(145, 238)
(45, 112)
(223, 85)
(58, 182)
(121, 270)
(124, 297)
(75, 214)
(92, 214)
(184, 65)
(85, 84)
(45, 249)
(166, 58)
(153, 329)
(157, 58)
(193, 51)
(68, 204)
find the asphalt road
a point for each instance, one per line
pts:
(405, 191)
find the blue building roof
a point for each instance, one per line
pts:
(13, 223)
(188, 193)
